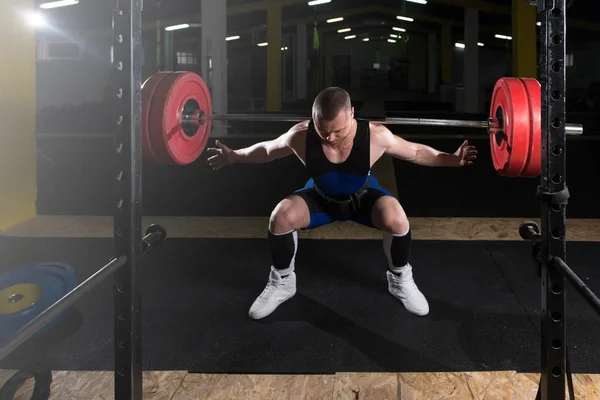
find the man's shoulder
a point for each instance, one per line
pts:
(296, 134)
(378, 129)
(299, 129)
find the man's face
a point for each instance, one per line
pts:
(336, 130)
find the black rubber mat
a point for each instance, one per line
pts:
(484, 298)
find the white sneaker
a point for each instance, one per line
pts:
(277, 291)
(403, 287)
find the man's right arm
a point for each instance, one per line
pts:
(267, 151)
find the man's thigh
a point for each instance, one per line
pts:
(374, 192)
(316, 207)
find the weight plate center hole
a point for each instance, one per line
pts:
(500, 135)
(15, 298)
(190, 128)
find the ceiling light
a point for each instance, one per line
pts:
(409, 19)
(399, 29)
(232, 38)
(317, 2)
(177, 27)
(418, 1)
(462, 45)
(391, 41)
(332, 20)
(262, 44)
(344, 30)
(365, 39)
(503, 37)
(61, 3)
(539, 24)
(35, 20)
(350, 37)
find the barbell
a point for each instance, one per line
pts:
(177, 119)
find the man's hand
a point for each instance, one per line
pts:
(223, 156)
(466, 154)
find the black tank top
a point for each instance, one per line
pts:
(339, 179)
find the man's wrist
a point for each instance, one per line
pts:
(451, 160)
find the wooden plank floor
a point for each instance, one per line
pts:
(256, 227)
(180, 385)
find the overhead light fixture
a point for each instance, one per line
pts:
(35, 20)
(228, 38)
(263, 44)
(462, 45)
(391, 40)
(332, 20)
(539, 24)
(393, 36)
(284, 48)
(350, 37)
(317, 2)
(418, 1)
(177, 27)
(409, 19)
(399, 29)
(365, 39)
(61, 3)
(344, 30)
(503, 37)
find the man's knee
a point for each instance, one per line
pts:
(389, 216)
(291, 213)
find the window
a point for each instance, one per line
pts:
(49, 49)
(184, 58)
(569, 60)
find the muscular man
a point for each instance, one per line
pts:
(338, 152)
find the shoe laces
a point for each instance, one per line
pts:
(405, 282)
(270, 288)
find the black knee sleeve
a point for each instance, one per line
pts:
(282, 248)
(397, 249)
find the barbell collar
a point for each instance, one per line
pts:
(489, 125)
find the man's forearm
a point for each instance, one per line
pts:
(255, 154)
(431, 157)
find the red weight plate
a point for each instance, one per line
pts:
(510, 109)
(534, 93)
(180, 93)
(148, 91)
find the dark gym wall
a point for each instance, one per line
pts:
(17, 111)
(82, 179)
(72, 72)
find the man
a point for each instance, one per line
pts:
(338, 152)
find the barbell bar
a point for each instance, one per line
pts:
(177, 120)
(490, 125)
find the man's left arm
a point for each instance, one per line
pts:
(421, 154)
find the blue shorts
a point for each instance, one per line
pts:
(322, 214)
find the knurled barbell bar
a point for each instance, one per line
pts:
(177, 118)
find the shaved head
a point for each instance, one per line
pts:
(333, 115)
(330, 102)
